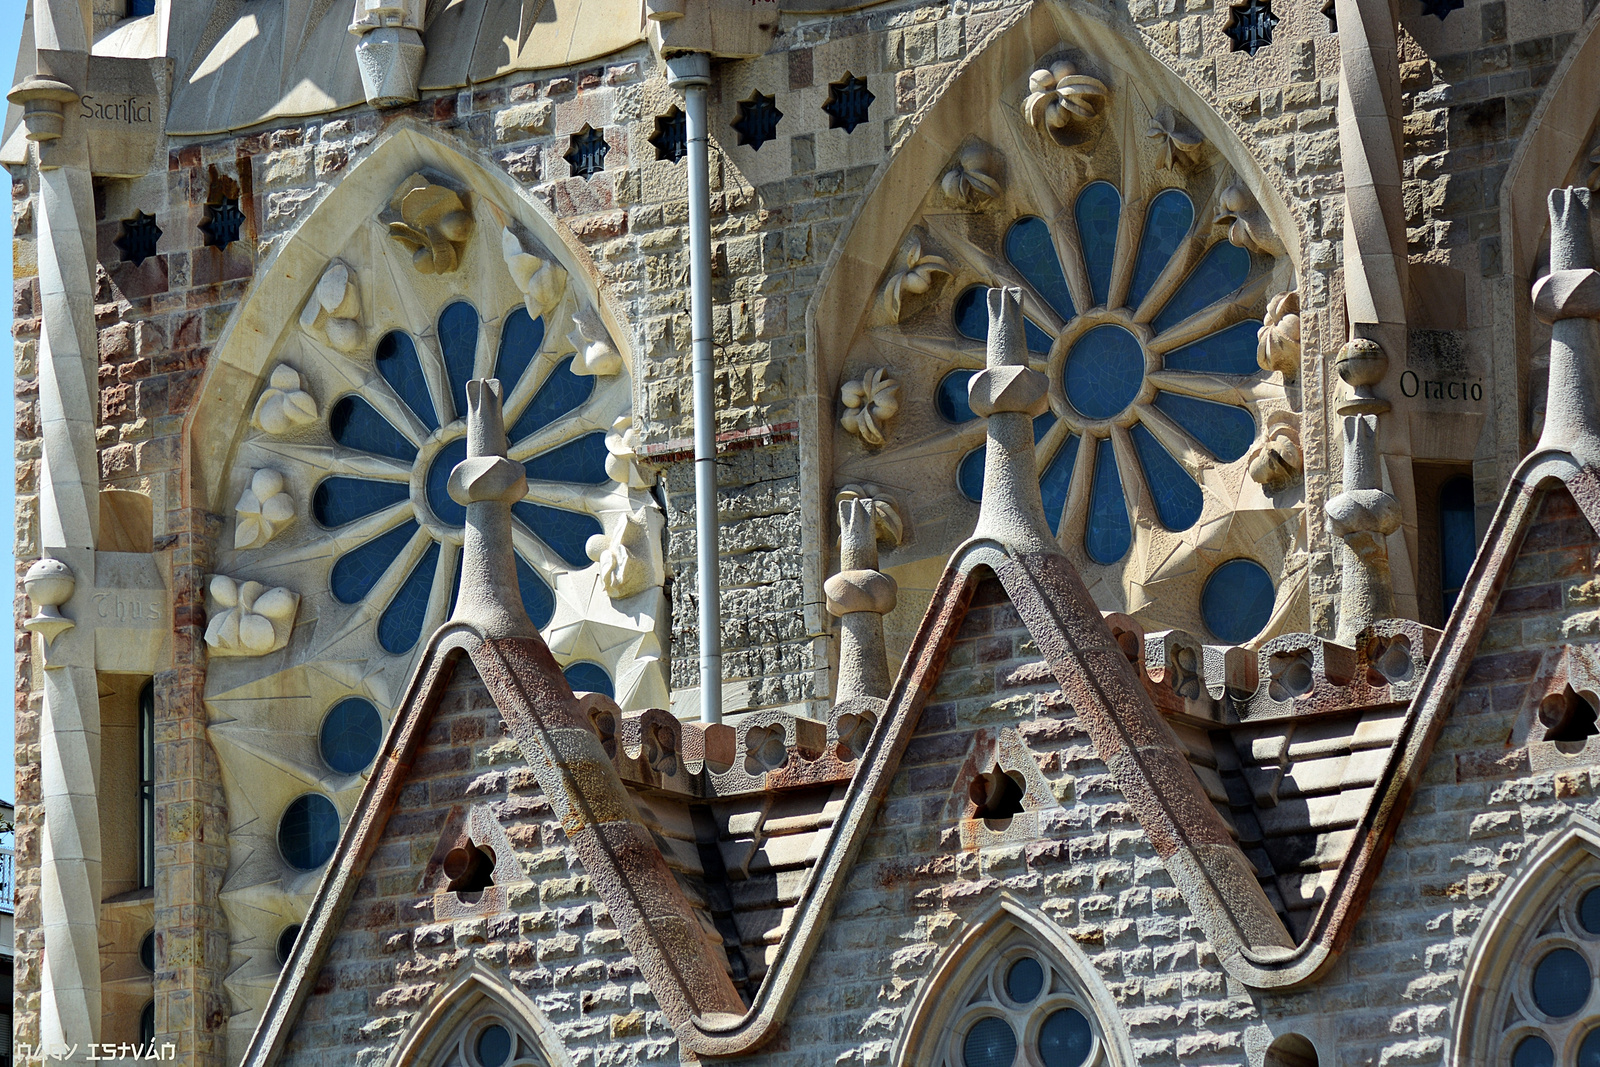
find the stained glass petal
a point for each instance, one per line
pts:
(458, 340)
(1057, 481)
(1220, 271)
(951, 398)
(401, 622)
(582, 461)
(358, 570)
(520, 338)
(356, 424)
(567, 532)
(1107, 535)
(1230, 351)
(1178, 498)
(971, 314)
(1098, 210)
(398, 364)
(969, 475)
(436, 483)
(561, 392)
(1030, 250)
(1226, 431)
(537, 599)
(338, 500)
(1166, 224)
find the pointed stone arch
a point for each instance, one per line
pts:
(476, 991)
(990, 938)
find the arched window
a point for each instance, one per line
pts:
(490, 1039)
(476, 1021)
(1458, 537)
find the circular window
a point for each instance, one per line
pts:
(147, 952)
(1025, 980)
(1561, 983)
(1589, 911)
(1065, 1039)
(351, 734)
(493, 1047)
(990, 1043)
(587, 677)
(1533, 1051)
(1104, 372)
(952, 398)
(286, 940)
(1588, 1052)
(308, 832)
(1237, 600)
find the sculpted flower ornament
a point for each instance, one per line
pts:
(263, 509)
(434, 224)
(1276, 462)
(974, 178)
(886, 521)
(624, 461)
(915, 275)
(1176, 145)
(596, 354)
(247, 618)
(628, 563)
(334, 310)
(1059, 99)
(542, 282)
(1247, 224)
(869, 404)
(1278, 340)
(284, 406)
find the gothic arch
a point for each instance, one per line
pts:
(993, 936)
(475, 991)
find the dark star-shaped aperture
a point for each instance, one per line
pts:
(671, 138)
(1250, 27)
(849, 102)
(138, 238)
(587, 156)
(758, 120)
(222, 222)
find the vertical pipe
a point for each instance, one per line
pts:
(691, 75)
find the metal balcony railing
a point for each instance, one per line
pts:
(8, 880)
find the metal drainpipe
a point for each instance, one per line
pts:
(691, 75)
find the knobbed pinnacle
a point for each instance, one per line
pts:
(488, 483)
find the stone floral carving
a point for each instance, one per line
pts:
(1060, 99)
(1276, 462)
(434, 224)
(284, 405)
(247, 618)
(49, 584)
(869, 402)
(1247, 224)
(542, 282)
(628, 565)
(595, 353)
(1177, 146)
(885, 516)
(1278, 340)
(263, 509)
(914, 275)
(974, 177)
(624, 459)
(334, 311)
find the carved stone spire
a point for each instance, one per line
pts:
(1569, 299)
(860, 594)
(487, 484)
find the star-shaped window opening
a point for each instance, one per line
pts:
(849, 103)
(1250, 25)
(671, 139)
(587, 156)
(137, 241)
(1441, 8)
(223, 222)
(758, 120)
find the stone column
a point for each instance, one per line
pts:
(1010, 394)
(860, 596)
(1364, 514)
(1568, 298)
(389, 49)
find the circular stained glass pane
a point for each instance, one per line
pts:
(1533, 1051)
(1237, 600)
(1588, 1052)
(990, 1043)
(1561, 983)
(351, 734)
(1589, 911)
(147, 952)
(1104, 371)
(1024, 980)
(1065, 1039)
(308, 831)
(587, 677)
(286, 941)
(493, 1047)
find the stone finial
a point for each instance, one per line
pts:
(1060, 101)
(334, 310)
(263, 509)
(974, 177)
(1176, 144)
(284, 405)
(1569, 299)
(247, 618)
(433, 224)
(1361, 364)
(49, 584)
(486, 483)
(389, 49)
(860, 595)
(915, 275)
(629, 560)
(1248, 226)
(542, 282)
(1362, 516)
(44, 101)
(1278, 340)
(1276, 462)
(869, 403)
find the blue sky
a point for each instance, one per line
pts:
(11, 12)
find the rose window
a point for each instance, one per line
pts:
(1144, 375)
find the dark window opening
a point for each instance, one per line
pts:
(138, 9)
(1446, 537)
(1291, 1050)
(286, 940)
(997, 794)
(1567, 716)
(1458, 538)
(147, 786)
(147, 1025)
(470, 868)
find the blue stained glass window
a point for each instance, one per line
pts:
(398, 363)
(358, 570)
(1036, 339)
(494, 1046)
(458, 340)
(1057, 480)
(309, 831)
(560, 393)
(1104, 371)
(437, 483)
(1042, 424)
(1098, 210)
(951, 399)
(1024, 980)
(1237, 600)
(969, 475)
(587, 677)
(1065, 1039)
(567, 532)
(990, 1043)
(1561, 983)
(1588, 1052)
(1220, 271)
(1224, 430)
(520, 338)
(972, 321)
(401, 622)
(1230, 351)
(1535, 1051)
(1107, 535)
(340, 500)
(582, 461)
(356, 424)
(350, 735)
(1589, 911)
(537, 599)
(1178, 499)
(1033, 253)
(1166, 224)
